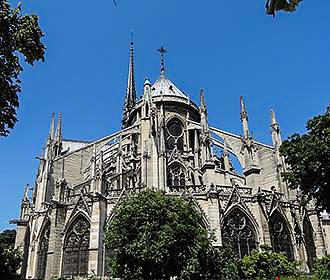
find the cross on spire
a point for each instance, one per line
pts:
(162, 52)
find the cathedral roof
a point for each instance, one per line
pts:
(165, 87)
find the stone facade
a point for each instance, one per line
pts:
(166, 143)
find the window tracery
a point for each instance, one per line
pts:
(174, 135)
(309, 243)
(42, 253)
(176, 175)
(75, 255)
(238, 232)
(280, 235)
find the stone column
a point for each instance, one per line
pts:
(318, 234)
(55, 247)
(214, 217)
(95, 263)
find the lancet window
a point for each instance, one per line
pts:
(176, 175)
(174, 135)
(238, 232)
(42, 252)
(309, 243)
(280, 235)
(75, 255)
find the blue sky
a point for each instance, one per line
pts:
(228, 48)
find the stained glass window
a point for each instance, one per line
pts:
(309, 243)
(176, 175)
(238, 233)
(42, 252)
(280, 235)
(174, 135)
(75, 255)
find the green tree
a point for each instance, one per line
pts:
(267, 265)
(272, 6)
(321, 268)
(10, 258)
(18, 34)
(308, 158)
(154, 236)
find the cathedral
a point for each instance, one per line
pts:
(165, 143)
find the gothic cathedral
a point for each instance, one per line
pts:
(165, 143)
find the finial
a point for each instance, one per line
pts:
(244, 119)
(162, 52)
(51, 130)
(272, 116)
(243, 111)
(132, 38)
(202, 99)
(58, 136)
(26, 193)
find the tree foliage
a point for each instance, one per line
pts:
(272, 6)
(18, 34)
(10, 258)
(308, 158)
(321, 268)
(267, 265)
(154, 236)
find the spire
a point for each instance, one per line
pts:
(273, 118)
(202, 100)
(58, 136)
(275, 130)
(26, 193)
(130, 98)
(162, 52)
(244, 118)
(51, 130)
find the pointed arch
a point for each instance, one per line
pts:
(42, 250)
(176, 175)
(76, 248)
(239, 232)
(309, 242)
(174, 134)
(74, 216)
(280, 234)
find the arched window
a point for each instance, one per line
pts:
(238, 232)
(42, 252)
(280, 235)
(75, 255)
(176, 175)
(309, 243)
(174, 135)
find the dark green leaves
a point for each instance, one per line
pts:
(308, 157)
(17, 34)
(154, 236)
(10, 258)
(272, 6)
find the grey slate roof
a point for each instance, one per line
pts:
(165, 87)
